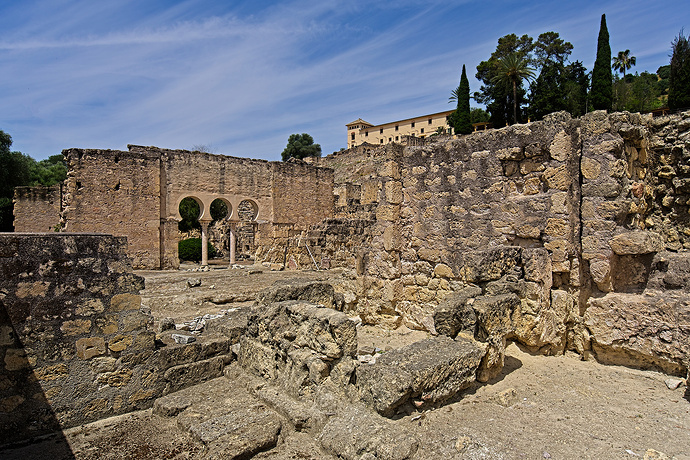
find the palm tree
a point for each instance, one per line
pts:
(623, 61)
(454, 95)
(512, 69)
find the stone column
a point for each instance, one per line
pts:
(204, 242)
(233, 243)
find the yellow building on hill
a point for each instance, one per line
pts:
(360, 131)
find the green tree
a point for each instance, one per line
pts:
(576, 84)
(512, 69)
(679, 75)
(498, 98)
(49, 172)
(550, 48)
(478, 115)
(546, 92)
(460, 119)
(623, 62)
(300, 146)
(601, 94)
(15, 170)
(190, 212)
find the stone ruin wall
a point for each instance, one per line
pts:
(75, 341)
(136, 193)
(115, 192)
(37, 208)
(586, 220)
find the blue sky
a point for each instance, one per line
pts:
(241, 76)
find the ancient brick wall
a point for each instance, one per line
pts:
(591, 204)
(69, 318)
(115, 192)
(75, 341)
(37, 209)
(137, 194)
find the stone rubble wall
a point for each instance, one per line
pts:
(136, 193)
(75, 341)
(37, 208)
(602, 197)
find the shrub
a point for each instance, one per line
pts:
(190, 249)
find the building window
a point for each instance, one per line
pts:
(429, 120)
(422, 131)
(396, 138)
(381, 131)
(381, 141)
(353, 136)
(413, 124)
(366, 133)
(396, 127)
(390, 139)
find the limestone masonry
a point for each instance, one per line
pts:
(561, 235)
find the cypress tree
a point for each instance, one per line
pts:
(679, 76)
(463, 123)
(601, 94)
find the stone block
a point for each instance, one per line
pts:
(134, 320)
(15, 359)
(54, 372)
(454, 315)
(644, 331)
(431, 370)
(356, 433)
(388, 213)
(590, 168)
(120, 343)
(76, 327)
(90, 347)
(640, 242)
(124, 302)
(561, 146)
(393, 192)
(185, 375)
(558, 178)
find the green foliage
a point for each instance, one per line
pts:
(557, 88)
(49, 172)
(300, 146)
(512, 69)
(623, 62)
(18, 169)
(478, 115)
(460, 119)
(550, 48)
(575, 86)
(219, 209)
(190, 249)
(499, 98)
(638, 93)
(601, 94)
(189, 211)
(679, 74)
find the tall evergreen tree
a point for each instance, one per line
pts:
(601, 94)
(679, 76)
(460, 119)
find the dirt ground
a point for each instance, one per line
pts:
(539, 407)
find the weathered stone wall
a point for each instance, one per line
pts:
(137, 194)
(597, 198)
(115, 192)
(75, 343)
(37, 209)
(69, 320)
